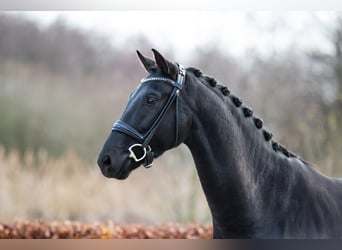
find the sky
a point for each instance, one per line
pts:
(234, 32)
(231, 5)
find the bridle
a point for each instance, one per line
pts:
(142, 150)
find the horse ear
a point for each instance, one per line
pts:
(167, 68)
(148, 63)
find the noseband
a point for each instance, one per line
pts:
(142, 148)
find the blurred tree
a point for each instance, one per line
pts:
(57, 47)
(327, 71)
(57, 77)
(337, 41)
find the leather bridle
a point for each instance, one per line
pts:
(142, 150)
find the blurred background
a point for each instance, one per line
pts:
(65, 78)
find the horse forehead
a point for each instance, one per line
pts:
(156, 86)
(139, 90)
(143, 89)
(134, 92)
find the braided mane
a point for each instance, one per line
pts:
(248, 112)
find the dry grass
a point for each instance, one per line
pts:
(53, 127)
(66, 188)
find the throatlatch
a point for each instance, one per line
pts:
(142, 150)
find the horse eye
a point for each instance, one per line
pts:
(151, 99)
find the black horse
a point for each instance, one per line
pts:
(254, 186)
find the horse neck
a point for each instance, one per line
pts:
(228, 151)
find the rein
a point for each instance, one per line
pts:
(142, 150)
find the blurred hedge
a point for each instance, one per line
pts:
(61, 88)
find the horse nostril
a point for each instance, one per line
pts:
(106, 160)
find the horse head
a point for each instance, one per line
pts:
(152, 122)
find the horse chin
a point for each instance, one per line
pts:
(125, 170)
(122, 174)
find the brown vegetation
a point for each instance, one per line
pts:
(108, 230)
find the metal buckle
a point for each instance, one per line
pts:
(137, 149)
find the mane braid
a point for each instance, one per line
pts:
(248, 112)
(225, 91)
(267, 135)
(236, 100)
(198, 73)
(258, 122)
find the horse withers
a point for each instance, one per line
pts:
(254, 186)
